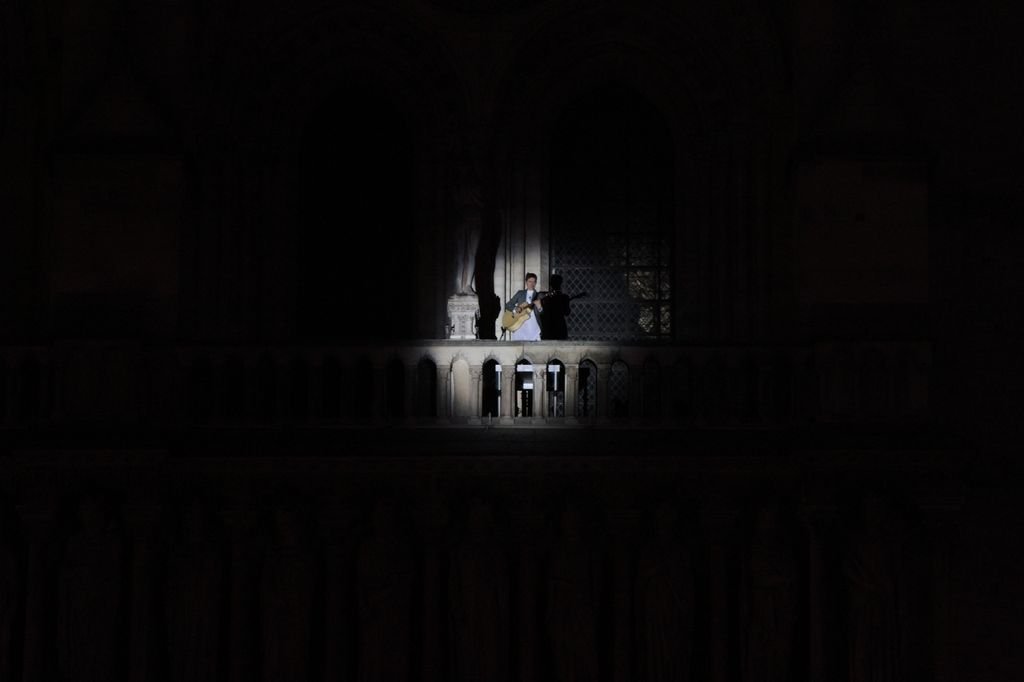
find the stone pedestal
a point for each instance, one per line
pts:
(463, 310)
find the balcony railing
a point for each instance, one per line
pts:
(455, 383)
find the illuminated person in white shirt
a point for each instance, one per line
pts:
(530, 330)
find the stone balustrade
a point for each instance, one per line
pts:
(454, 383)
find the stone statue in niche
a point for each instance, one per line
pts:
(870, 569)
(286, 589)
(194, 599)
(769, 601)
(664, 604)
(384, 579)
(90, 638)
(10, 589)
(574, 581)
(478, 592)
(469, 207)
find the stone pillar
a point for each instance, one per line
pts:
(463, 310)
(142, 517)
(432, 522)
(818, 520)
(339, 535)
(508, 392)
(476, 400)
(38, 514)
(527, 525)
(237, 519)
(941, 517)
(540, 391)
(623, 525)
(571, 378)
(719, 520)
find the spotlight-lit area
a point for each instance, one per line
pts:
(533, 341)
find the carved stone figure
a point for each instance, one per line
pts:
(664, 604)
(573, 603)
(769, 602)
(385, 570)
(194, 599)
(90, 638)
(478, 589)
(871, 578)
(287, 601)
(469, 215)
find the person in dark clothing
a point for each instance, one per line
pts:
(556, 309)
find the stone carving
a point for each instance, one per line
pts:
(385, 570)
(664, 604)
(194, 599)
(573, 603)
(770, 602)
(469, 215)
(869, 566)
(478, 589)
(287, 601)
(89, 634)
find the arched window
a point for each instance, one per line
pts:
(490, 384)
(618, 391)
(586, 390)
(555, 385)
(426, 388)
(524, 389)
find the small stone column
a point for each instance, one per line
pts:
(508, 392)
(476, 400)
(540, 391)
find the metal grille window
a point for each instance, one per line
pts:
(612, 217)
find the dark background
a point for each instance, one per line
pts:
(213, 211)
